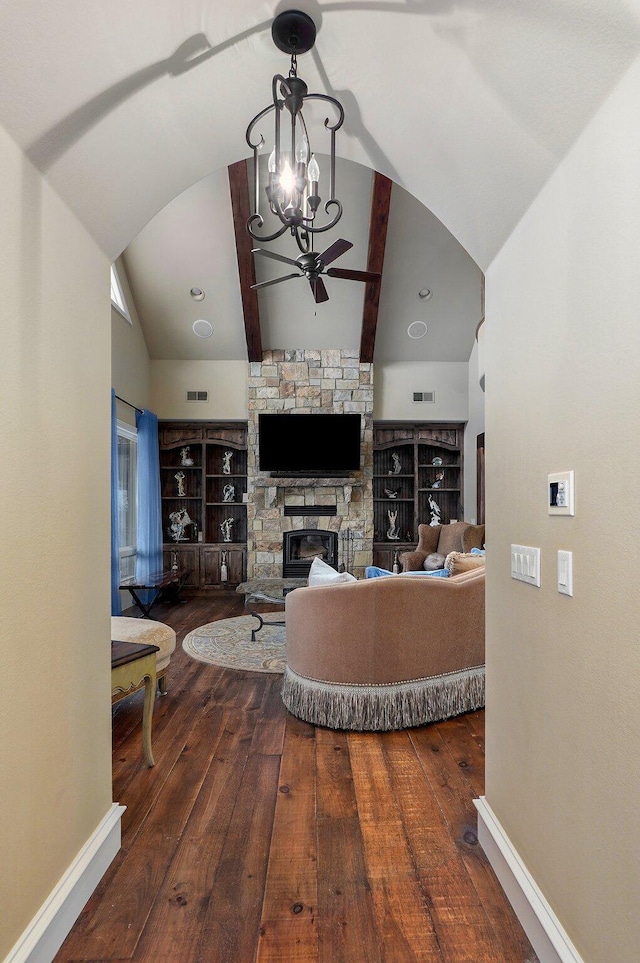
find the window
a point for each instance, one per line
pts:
(127, 498)
(117, 295)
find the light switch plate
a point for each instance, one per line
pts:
(561, 493)
(565, 572)
(525, 564)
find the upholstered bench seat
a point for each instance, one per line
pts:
(124, 629)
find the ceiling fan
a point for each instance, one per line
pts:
(312, 265)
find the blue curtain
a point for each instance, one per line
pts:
(116, 607)
(149, 541)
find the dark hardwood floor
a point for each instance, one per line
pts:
(259, 837)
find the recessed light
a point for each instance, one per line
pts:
(417, 329)
(197, 294)
(424, 294)
(202, 328)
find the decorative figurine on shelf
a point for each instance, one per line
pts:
(180, 477)
(223, 567)
(439, 480)
(390, 494)
(436, 461)
(174, 561)
(396, 466)
(229, 493)
(393, 532)
(185, 459)
(179, 521)
(226, 462)
(435, 511)
(226, 527)
(396, 564)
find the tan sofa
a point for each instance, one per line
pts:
(385, 653)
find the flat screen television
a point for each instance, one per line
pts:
(309, 444)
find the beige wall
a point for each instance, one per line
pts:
(226, 382)
(130, 365)
(563, 392)
(55, 714)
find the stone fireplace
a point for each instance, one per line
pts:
(305, 380)
(300, 547)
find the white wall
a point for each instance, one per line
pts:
(563, 392)
(394, 385)
(226, 382)
(55, 711)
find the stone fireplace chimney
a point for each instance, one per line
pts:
(305, 380)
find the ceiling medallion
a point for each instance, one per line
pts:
(293, 188)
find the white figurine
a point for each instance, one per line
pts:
(397, 467)
(184, 458)
(393, 532)
(180, 477)
(435, 511)
(390, 493)
(226, 463)
(179, 521)
(228, 493)
(226, 528)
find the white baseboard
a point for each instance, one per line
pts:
(49, 928)
(538, 920)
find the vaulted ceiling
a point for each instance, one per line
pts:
(136, 112)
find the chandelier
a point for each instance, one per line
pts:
(293, 188)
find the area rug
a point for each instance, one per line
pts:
(228, 643)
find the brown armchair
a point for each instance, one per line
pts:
(440, 540)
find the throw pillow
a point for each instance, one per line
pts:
(433, 561)
(322, 574)
(457, 562)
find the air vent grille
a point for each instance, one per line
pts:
(424, 397)
(197, 395)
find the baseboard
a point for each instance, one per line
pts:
(538, 920)
(49, 928)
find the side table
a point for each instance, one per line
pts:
(133, 665)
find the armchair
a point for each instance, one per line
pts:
(440, 540)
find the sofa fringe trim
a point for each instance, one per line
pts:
(383, 707)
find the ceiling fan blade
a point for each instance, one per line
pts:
(276, 257)
(319, 291)
(334, 251)
(352, 275)
(265, 284)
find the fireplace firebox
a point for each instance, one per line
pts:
(302, 546)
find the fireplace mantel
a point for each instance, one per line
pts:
(296, 481)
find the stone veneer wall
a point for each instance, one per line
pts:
(303, 381)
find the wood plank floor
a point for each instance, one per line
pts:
(258, 837)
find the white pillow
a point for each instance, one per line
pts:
(322, 574)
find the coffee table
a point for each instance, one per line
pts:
(272, 591)
(155, 583)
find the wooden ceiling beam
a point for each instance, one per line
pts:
(380, 200)
(239, 185)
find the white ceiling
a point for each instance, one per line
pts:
(466, 104)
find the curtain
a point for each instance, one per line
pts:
(149, 538)
(116, 607)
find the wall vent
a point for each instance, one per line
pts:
(423, 397)
(197, 395)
